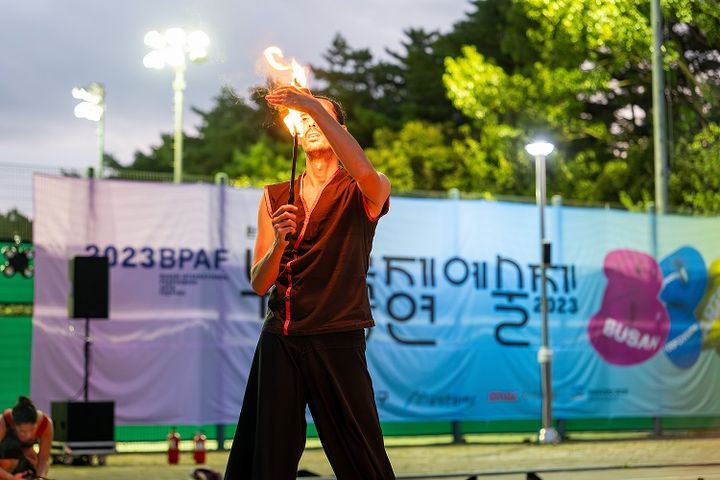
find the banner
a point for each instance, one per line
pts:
(633, 302)
(183, 321)
(633, 310)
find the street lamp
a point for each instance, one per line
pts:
(172, 48)
(92, 107)
(540, 150)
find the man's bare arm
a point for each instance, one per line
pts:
(374, 185)
(270, 244)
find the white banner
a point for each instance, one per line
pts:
(183, 320)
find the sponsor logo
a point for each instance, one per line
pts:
(503, 396)
(440, 399)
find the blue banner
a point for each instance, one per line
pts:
(634, 306)
(633, 302)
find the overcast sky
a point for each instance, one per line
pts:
(49, 46)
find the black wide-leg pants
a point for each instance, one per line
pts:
(329, 374)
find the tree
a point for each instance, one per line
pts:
(367, 89)
(421, 66)
(695, 182)
(15, 223)
(497, 28)
(416, 158)
(160, 159)
(425, 156)
(583, 77)
(230, 127)
(227, 136)
(265, 161)
(455, 110)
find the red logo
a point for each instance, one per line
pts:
(502, 396)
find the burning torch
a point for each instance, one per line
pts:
(293, 120)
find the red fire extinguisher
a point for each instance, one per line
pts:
(173, 439)
(199, 447)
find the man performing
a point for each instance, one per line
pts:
(20, 428)
(311, 351)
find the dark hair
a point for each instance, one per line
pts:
(337, 107)
(24, 411)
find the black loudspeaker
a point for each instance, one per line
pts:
(89, 287)
(83, 421)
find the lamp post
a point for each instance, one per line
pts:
(172, 48)
(540, 150)
(92, 107)
(659, 109)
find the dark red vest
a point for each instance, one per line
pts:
(39, 430)
(322, 287)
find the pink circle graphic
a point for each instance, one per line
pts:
(632, 324)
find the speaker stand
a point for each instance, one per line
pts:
(86, 374)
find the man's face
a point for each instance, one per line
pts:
(314, 140)
(25, 431)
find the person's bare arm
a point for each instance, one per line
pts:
(5, 465)
(5, 475)
(270, 244)
(374, 185)
(43, 466)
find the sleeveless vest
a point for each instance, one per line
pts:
(322, 284)
(39, 430)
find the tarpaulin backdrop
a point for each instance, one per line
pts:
(634, 305)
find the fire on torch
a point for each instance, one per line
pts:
(293, 120)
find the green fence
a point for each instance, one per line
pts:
(15, 349)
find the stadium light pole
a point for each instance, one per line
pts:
(92, 107)
(173, 48)
(540, 150)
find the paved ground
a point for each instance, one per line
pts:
(658, 459)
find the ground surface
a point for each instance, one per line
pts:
(503, 458)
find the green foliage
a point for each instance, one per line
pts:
(367, 89)
(263, 162)
(423, 156)
(493, 162)
(421, 67)
(498, 28)
(566, 31)
(15, 223)
(231, 126)
(237, 137)
(695, 181)
(415, 158)
(584, 81)
(455, 110)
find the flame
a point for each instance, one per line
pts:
(270, 54)
(293, 122)
(276, 60)
(298, 75)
